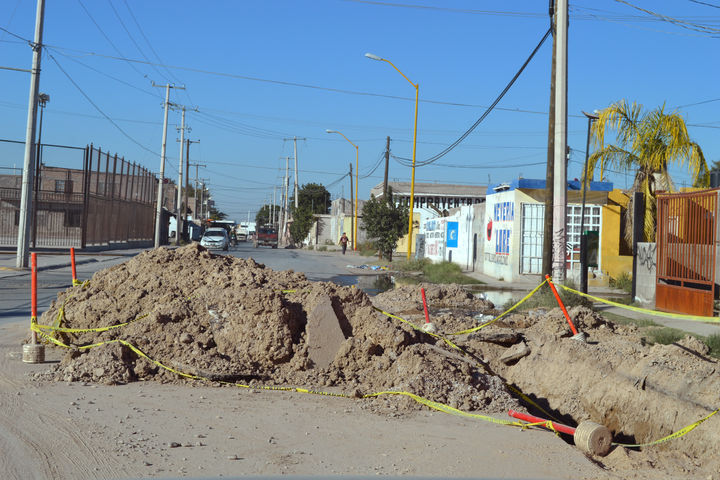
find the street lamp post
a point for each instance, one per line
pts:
(357, 159)
(583, 238)
(412, 177)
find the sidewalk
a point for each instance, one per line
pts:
(526, 284)
(54, 259)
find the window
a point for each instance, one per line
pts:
(531, 241)
(63, 186)
(592, 223)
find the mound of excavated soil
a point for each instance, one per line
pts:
(232, 319)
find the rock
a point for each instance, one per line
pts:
(324, 335)
(186, 338)
(515, 353)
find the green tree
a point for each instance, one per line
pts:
(262, 217)
(216, 214)
(646, 142)
(385, 223)
(302, 220)
(315, 197)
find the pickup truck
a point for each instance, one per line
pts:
(266, 236)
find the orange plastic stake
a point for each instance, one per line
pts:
(33, 293)
(72, 264)
(562, 307)
(427, 317)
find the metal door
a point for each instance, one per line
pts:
(686, 252)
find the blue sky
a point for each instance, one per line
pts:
(262, 71)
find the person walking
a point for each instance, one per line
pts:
(344, 242)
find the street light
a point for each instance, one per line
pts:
(357, 157)
(583, 238)
(412, 178)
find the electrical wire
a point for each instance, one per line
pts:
(186, 92)
(132, 39)
(127, 84)
(100, 111)
(675, 21)
(487, 111)
(704, 3)
(102, 32)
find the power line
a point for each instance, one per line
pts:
(132, 39)
(295, 84)
(107, 117)
(489, 109)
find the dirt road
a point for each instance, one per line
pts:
(144, 429)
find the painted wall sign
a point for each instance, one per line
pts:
(452, 234)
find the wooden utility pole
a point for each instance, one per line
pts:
(549, 173)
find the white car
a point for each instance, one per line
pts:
(215, 238)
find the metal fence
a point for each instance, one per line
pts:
(105, 201)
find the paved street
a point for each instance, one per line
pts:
(55, 275)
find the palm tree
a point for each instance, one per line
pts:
(646, 142)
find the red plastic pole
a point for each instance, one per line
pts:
(562, 307)
(33, 293)
(427, 317)
(533, 419)
(72, 264)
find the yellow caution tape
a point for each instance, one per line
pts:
(40, 329)
(696, 318)
(513, 389)
(445, 408)
(408, 322)
(678, 434)
(526, 297)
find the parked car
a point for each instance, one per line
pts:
(215, 238)
(266, 236)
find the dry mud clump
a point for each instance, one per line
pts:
(233, 320)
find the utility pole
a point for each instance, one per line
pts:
(286, 216)
(23, 240)
(352, 211)
(387, 163)
(295, 139)
(196, 165)
(158, 208)
(272, 208)
(547, 255)
(560, 180)
(178, 204)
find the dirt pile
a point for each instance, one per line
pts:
(231, 319)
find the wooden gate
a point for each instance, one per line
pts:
(686, 252)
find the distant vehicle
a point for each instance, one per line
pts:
(267, 236)
(242, 233)
(215, 238)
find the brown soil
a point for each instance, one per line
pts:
(235, 320)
